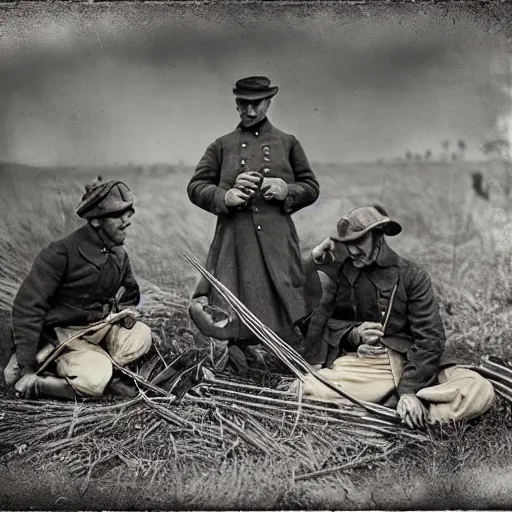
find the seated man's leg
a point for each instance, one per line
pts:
(366, 378)
(127, 345)
(86, 367)
(460, 394)
(12, 371)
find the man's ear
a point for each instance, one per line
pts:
(95, 223)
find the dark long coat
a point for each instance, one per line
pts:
(415, 328)
(255, 250)
(72, 282)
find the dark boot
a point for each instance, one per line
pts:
(52, 387)
(237, 359)
(256, 355)
(117, 387)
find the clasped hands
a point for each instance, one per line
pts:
(367, 338)
(247, 184)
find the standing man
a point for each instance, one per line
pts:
(254, 179)
(75, 284)
(378, 333)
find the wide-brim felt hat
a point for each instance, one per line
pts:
(361, 221)
(105, 198)
(254, 88)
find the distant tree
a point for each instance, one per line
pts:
(497, 148)
(417, 157)
(409, 155)
(462, 149)
(454, 156)
(428, 154)
(445, 144)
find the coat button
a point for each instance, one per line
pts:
(243, 162)
(266, 170)
(266, 150)
(244, 145)
(256, 133)
(266, 159)
(258, 228)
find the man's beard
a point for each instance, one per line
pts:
(362, 260)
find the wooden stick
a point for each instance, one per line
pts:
(348, 465)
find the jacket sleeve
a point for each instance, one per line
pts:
(317, 347)
(427, 330)
(131, 297)
(203, 189)
(306, 189)
(33, 301)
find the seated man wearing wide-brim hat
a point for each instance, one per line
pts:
(76, 287)
(377, 331)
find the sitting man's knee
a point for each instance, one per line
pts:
(89, 377)
(127, 345)
(142, 333)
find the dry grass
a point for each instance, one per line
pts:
(468, 258)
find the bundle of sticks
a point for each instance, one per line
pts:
(190, 412)
(286, 354)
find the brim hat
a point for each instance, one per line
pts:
(361, 221)
(254, 88)
(105, 198)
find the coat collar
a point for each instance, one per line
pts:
(387, 257)
(262, 126)
(92, 248)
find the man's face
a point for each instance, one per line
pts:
(252, 112)
(362, 250)
(114, 226)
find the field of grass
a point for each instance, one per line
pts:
(462, 240)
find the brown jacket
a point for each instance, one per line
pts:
(415, 328)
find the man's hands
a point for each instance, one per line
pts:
(248, 182)
(412, 412)
(368, 333)
(25, 385)
(367, 337)
(235, 197)
(323, 248)
(246, 185)
(274, 188)
(371, 351)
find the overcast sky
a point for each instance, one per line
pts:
(143, 84)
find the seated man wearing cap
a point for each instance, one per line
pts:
(253, 179)
(377, 331)
(76, 283)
